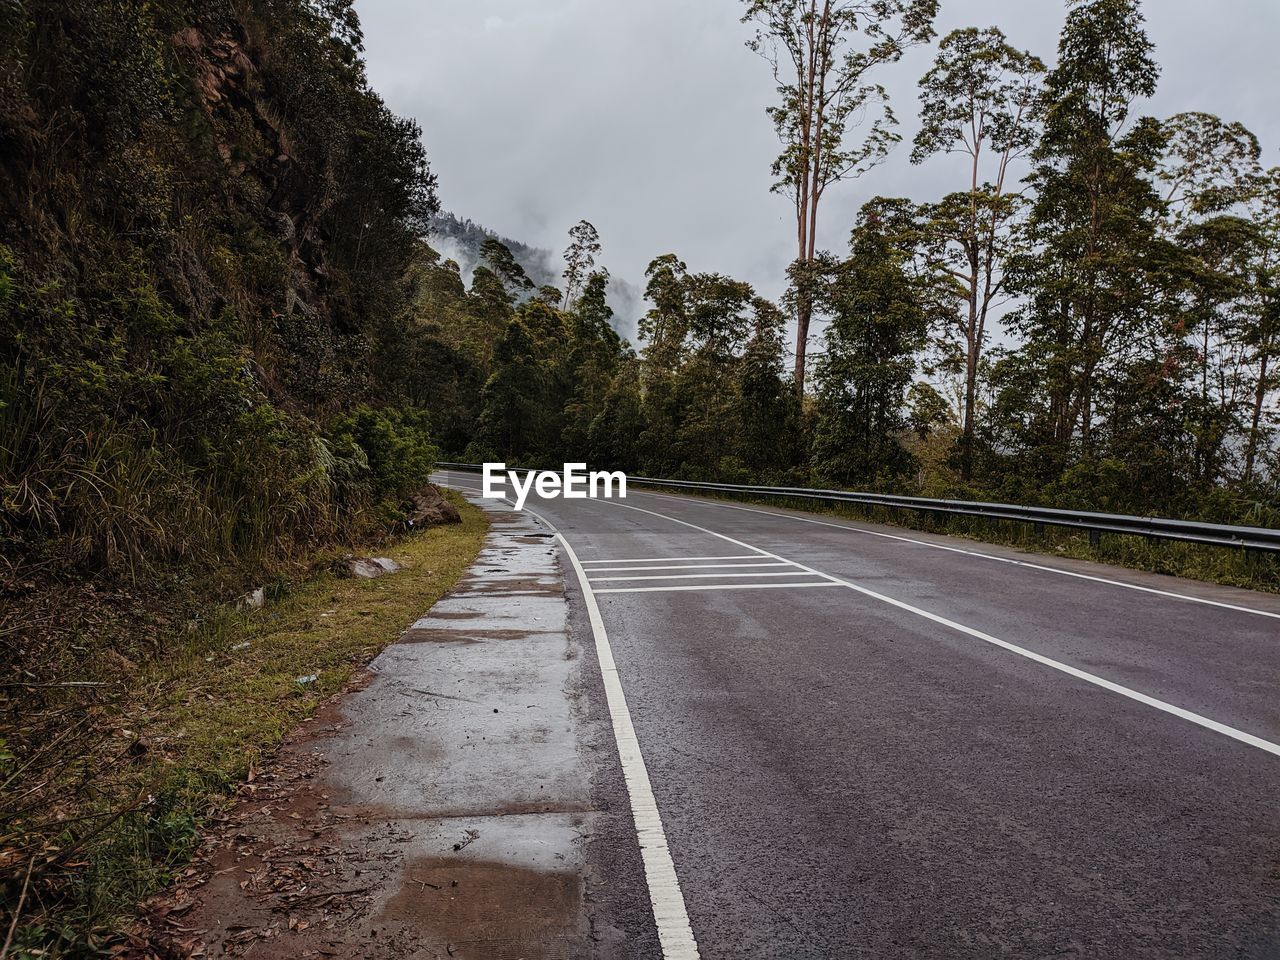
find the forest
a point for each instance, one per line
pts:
(1099, 335)
(225, 335)
(228, 345)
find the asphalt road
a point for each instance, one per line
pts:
(868, 742)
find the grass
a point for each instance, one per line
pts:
(1239, 568)
(192, 723)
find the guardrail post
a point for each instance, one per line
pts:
(1095, 538)
(1038, 529)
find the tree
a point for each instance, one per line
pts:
(1262, 337)
(822, 74)
(879, 319)
(1209, 166)
(512, 417)
(595, 350)
(768, 436)
(1208, 171)
(982, 99)
(579, 258)
(1095, 281)
(503, 263)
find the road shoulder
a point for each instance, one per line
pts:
(458, 801)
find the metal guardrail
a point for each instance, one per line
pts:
(1159, 528)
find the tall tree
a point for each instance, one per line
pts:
(1209, 170)
(512, 416)
(595, 350)
(822, 53)
(879, 320)
(1094, 281)
(579, 259)
(981, 99)
(1263, 337)
(503, 263)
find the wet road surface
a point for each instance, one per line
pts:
(868, 742)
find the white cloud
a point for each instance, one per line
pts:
(647, 118)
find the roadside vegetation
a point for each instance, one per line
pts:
(107, 783)
(209, 382)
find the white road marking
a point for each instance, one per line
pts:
(705, 576)
(1221, 728)
(670, 916)
(970, 553)
(722, 586)
(1215, 726)
(695, 566)
(745, 556)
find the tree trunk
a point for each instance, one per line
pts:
(804, 312)
(1259, 397)
(970, 403)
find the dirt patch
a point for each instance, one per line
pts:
(488, 908)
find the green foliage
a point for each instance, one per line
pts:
(196, 274)
(879, 319)
(380, 456)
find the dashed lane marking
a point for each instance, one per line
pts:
(744, 556)
(695, 566)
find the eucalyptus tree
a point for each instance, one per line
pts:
(1208, 172)
(879, 308)
(1209, 165)
(1093, 282)
(981, 99)
(512, 417)
(1263, 337)
(595, 350)
(504, 264)
(579, 259)
(822, 53)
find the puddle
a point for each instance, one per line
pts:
(462, 635)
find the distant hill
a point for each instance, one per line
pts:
(461, 239)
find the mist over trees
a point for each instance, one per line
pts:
(1131, 276)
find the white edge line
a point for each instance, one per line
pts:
(1214, 725)
(722, 586)
(851, 528)
(672, 919)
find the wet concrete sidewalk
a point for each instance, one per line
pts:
(439, 810)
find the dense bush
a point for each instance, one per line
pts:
(206, 219)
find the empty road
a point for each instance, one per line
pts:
(863, 741)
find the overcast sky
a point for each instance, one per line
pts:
(647, 118)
